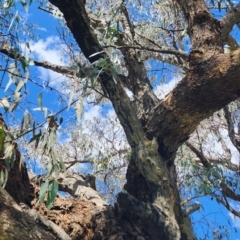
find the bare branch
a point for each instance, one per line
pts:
(224, 162)
(229, 193)
(165, 51)
(79, 24)
(186, 201)
(200, 155)
(56, 68)
(225, 189)
(226, 205)
(141, 87)
(192, 208)
(228, 21)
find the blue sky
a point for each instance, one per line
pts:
(47, 47)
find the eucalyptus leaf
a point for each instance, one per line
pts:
(79, 109)
(6, 178)
(43, 190)
(2, 177)
(70, 98)
(40, 101)
(52, 193)
(4, 103)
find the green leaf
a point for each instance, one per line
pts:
(27, 44)
(40, 101)
(19, 86)
(6, 178)
(43, 190)
(52, 193)
(27, 120)
(20, 162)
(52, 138)
(4, 103)
(96, 54)
(8, 151)
(12, 21)
(61, 163)
(44, 139)
(8, 4)
(2, 177)
(13, 157)
(85, 86)
(13, 106)
(49, 168)
(25, 5)
(7, 163)
(70, 98)
(2, 138)
(10, 81)
(79, 109)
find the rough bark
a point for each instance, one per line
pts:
(18, 184)
(17, 224)
(82, 217)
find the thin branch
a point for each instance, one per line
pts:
(203, 159)
(224, 162)
(165, 51)
(226, 205)
(186, 201)
(56, 68)
(44, 122)
(229, 193)
(75, 162)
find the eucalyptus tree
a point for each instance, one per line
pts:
(156, 129)
(120, 42)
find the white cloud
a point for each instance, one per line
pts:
(162, 90)
(93, 112)
(49, 49)
(235, 220)
(42, 29)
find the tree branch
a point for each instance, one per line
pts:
(191, 208)
(226, 205)
(56, 68)
(200, 155)
(145, 99)
(229, 193)
(165, 51)
(228, 21)
(191, 101)
(79, 24)
(231, 131)
(225, 189)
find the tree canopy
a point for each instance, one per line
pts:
(118, 57)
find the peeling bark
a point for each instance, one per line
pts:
(16, 224)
